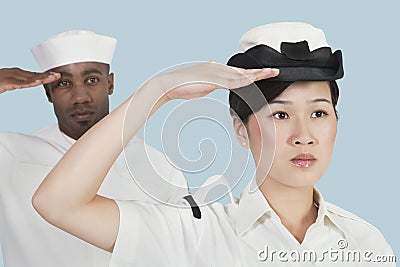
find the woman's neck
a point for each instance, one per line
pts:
(294, 206)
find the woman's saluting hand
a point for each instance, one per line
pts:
(202, 79)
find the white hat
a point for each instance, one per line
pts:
(274, 34)
(299, 50)
(73, 47)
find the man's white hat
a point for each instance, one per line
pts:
(74, 47)
(274, 34)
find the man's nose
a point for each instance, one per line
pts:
(80, 94)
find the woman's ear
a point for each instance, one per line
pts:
(241, 132)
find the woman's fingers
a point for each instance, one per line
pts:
(246, 77)
(202, 79)
(265, 73)
(251, 75)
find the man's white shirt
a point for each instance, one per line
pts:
(26, 239)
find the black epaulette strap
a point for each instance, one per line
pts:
(195, 209)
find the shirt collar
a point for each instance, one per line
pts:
(69, 139)
(253, 205)
(325, 216)
(53, 134)
(320, 203)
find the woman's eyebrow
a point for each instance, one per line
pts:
(279, 101)
(320, 100)
(285, 102)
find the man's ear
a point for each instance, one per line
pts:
(110, 83)
(240, 132)
(47, 89)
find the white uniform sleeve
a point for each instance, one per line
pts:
(151, 172)
(177, 178)
(6, 157)
(155, 235)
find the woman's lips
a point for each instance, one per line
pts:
(303, 160)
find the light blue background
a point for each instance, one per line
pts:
(363, 176)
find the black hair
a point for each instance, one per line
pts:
(249, 99)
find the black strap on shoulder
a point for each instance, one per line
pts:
(195, 209)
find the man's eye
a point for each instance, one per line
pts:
(93, 80)
(318, 114)
(63, 84)
(280, 115)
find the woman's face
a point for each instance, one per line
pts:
(305, 131)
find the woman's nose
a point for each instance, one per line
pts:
(302, 135)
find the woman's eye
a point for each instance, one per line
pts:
(280, 115)
(318, 114)
(93, 80)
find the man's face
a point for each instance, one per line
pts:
(80, 97)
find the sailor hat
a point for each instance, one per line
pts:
(74, 47)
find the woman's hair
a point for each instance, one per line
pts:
(247, 100)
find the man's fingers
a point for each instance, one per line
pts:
(34, 84)
(41, 78)
(14, 78)
(51, 77)
(24, 82)
(29, 76)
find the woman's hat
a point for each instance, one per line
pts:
(299, 50)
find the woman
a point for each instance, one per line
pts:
(284, 221)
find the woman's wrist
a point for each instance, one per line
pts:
(157, 87)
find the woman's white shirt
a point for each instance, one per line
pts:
(245, 233)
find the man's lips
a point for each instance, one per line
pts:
(82, 115)
(303, 160)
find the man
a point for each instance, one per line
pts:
(78, 87)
